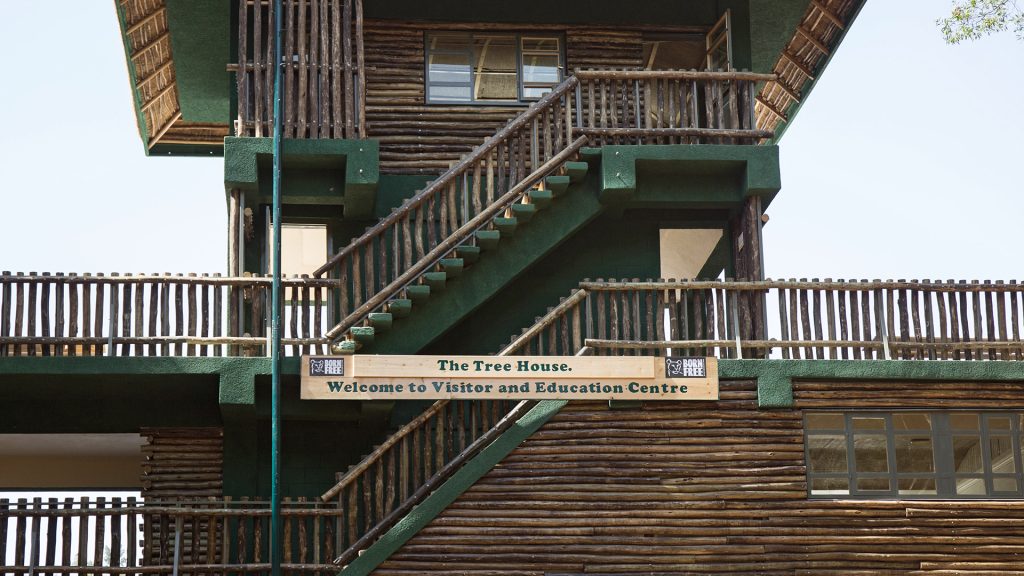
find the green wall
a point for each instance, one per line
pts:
(608, 247)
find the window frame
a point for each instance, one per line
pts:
(943, 473)
(517, 37)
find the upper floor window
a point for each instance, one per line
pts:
(915, 454)
(491, 68)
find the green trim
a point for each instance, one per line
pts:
(775, 377)
(427, 510)
(243, 158)
(662, 173)
(133, 78)
(794, 109)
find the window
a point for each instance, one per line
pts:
(914, 454)
(491, 68)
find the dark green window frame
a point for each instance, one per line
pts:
(871, 455)
(521, 52)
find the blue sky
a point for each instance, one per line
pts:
(905, 161)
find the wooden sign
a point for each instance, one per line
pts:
(386, 377)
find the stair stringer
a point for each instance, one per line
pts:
(479, 283)
(465, 478)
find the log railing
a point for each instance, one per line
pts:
(798, 319)
(155, 315)
(428, 227)
(323, 78)
(382, 488)
(124, 536)
(593, 106)
(668, 106)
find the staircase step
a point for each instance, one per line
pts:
(557, 184)
(507, 226)
(587, 153)
(576, 170)
(380, 320)
(452, 266)
(541, 198)
(345, 347)
(417, 292)
(488, 239)
(469, 254)
(363, 334)
(435, 280)
(524, 212)
(400, 307)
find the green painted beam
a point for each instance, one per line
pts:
(703, 176)
(775, 377)
(356, 162)
(443, 497)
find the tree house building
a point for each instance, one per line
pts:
(474, 178)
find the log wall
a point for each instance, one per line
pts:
(417, 138)
(709, 488)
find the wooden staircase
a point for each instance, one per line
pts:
(442, 230)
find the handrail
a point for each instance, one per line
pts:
(916, 320)
(436, 480)
(372, 457)
(155, 314)
(674, 75)
(454, 239)
(449, 176)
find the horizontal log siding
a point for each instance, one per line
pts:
(703, 488)
(416, 138)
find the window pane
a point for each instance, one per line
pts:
(914, 454)
(540, 44)
(911, 421)
(1004, 484)
(449, 68)
(867, 423)
(999, 423)
(830, 486)
(917, 486)
(871, 453)
(540, 68)
(964, 421)
(826, 453)
(826, 421)
(452, 42)
(873, 485)
(459, 93)
(970, 486)
(494, 59)
(1001, 451)
(535, 92)
(967, 455)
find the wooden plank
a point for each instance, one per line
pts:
(301, 97)
(314, 69)
(324, 75)
(346, 46)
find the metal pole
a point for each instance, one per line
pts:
(275, 327)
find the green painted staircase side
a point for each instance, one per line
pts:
(503, 257)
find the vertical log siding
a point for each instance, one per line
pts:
(703, 488)
(323, 67)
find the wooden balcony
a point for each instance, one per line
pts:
(193, 315)
(156, 315)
